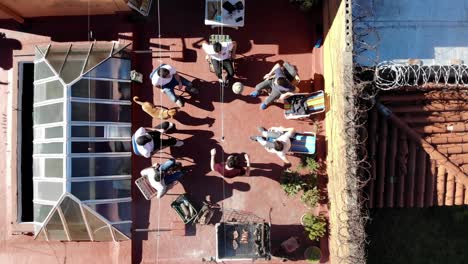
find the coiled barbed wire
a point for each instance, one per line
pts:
(359, 96)
(390, 75)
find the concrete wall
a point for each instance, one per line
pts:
(337, 62)
(36, 8)
(432, 30)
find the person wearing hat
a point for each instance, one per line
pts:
(221, 55)
(161, 176)
(147, 141)
(232, 167)
(278, 81)
(276, 140)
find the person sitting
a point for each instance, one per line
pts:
(276, 81)
(166, 78)
(221, 55)
(146, 143)
(276, 140)
(161, 176)
(231, 168)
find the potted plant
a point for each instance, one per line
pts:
(291, 182)
(311, 197)
(312, 254)
(315, 226)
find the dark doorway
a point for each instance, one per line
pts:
(25, 139)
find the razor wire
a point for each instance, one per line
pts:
(390, 75)
(365, 78)
(359, 95)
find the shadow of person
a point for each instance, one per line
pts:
(251, 69)
(186, 119)
(216, 187)
(6, 51)
(269, 170)
(213, 92)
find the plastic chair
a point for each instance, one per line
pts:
(304, 105)
(145, 187)
(303, 143)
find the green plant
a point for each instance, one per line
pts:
(315, 226)
(292, 182)
(312, 254)
(305, 5)
(309, 163)
(311, 197)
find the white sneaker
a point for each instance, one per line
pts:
(179, 143)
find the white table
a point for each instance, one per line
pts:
(225, 19)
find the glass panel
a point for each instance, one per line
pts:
(41, 211)
(113, 68)
(101, 89)
(100, 52)
(39, 54)
(119, 236)
(53, 168)
(42, 71)
(56, 56)
(74, 219)
(41, 236)
(48, 114)
(101, 147)
(101, 189)
(124, 228)
(54, 132)
(48, 148)
(37, 171)
(55, 229)
(102, 166)
(87, 131)
(114, 212)
(74, 64)
(38, 133)
(99, 228)
(50, 191)
(47, 91)
(100, 112)
(120, 52)
(118, 131)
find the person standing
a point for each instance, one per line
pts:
(232, 167)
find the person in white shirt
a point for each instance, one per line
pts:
(221, 55)
(166, 78)
(160, 178)
(147, 141)
(276, 140)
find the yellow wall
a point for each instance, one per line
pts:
(337, 65)
(38, 8)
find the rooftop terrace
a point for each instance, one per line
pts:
(202, 123)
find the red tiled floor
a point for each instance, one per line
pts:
(274, 30)
(206, 119)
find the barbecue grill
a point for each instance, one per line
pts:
(242, 241)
